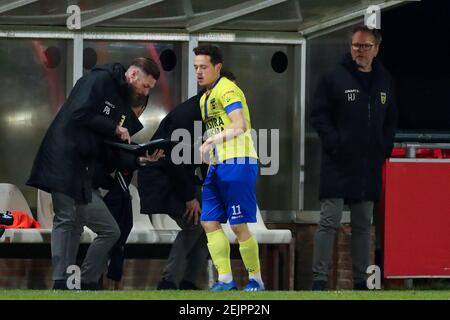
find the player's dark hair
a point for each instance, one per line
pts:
(209, 50)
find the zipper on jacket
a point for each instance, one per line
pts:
(365, 165)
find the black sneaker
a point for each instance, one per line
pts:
(362, 285)
(2, 231)
(6, 218)
(187, 285)
(166, 285)
(320, 285)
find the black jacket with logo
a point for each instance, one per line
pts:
(73, 143)
(114, 158)
(356, 125)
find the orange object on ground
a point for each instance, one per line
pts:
(22, 221)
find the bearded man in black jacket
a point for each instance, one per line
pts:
(94, 111)
(355, 115)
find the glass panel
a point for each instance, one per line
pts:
(54, 7)
(282, 17)
(204, 6)
(168, 14)
(319, 9)
(165, 9)
(50, 12)
(33, 85)
(167, 92)
(322, 54)
(271, 102)
(288, 16)
(295, 15)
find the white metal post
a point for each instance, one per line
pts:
(77, 57)
(189, 81)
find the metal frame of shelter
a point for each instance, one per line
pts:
(197, 30)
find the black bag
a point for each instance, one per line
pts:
(6, 218)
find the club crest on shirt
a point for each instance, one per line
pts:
(383, 97)
(213, 103)
(228, 96)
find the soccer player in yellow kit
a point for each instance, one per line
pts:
(229, 190)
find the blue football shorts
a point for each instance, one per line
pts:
(229, 192)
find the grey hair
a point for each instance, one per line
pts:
(363, 28)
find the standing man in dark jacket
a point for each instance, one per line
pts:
(71, 147)
(165, 187)
(355, 116)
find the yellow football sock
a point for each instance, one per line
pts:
(250, 255)
(219, 249)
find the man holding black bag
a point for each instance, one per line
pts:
(71, 148)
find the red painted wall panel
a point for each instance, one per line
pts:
(417, 218)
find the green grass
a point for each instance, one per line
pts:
(237, 295)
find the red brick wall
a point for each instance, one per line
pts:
(303, 256)
(25, 273)
(139, 274)
(37, 274)
(340, 276)
(342, 259)
(145, 273)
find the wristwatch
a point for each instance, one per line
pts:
(142, 162)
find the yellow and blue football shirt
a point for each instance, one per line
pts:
(222, 99)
